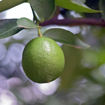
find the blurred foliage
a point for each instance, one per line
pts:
(72, 66)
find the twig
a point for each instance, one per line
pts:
(75, 22)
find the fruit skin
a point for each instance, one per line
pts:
(43, 60)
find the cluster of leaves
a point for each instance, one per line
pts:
(39, 8)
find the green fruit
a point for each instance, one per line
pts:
(43, 60)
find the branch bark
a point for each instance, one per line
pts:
(75, 22)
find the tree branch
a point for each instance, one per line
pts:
(75, 22)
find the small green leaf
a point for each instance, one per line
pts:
(61, 35)
(65, 36)
(7, 4)
(81, 2)
(25, 23)
(75, 5)
(43, 9)
(8, 27)
(102, 7)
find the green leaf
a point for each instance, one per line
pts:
(25, 23)
(7, 4)
(61, 35)
(81, 2)
(8, 27)
(72, 68)
(82, 44)
(102, 7)
(43, 9)
(75, 5)
(99, 74)
(65, 36)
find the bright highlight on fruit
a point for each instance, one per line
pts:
(43, 60)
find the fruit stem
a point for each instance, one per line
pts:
(39, 32)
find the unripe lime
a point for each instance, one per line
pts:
(43, 60)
